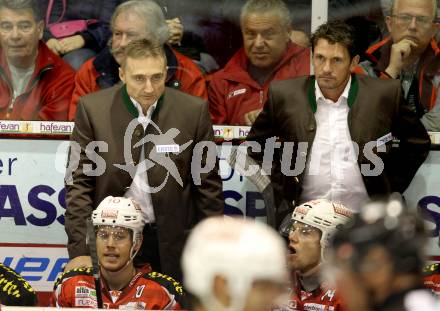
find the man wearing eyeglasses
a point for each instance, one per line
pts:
(309, 230)
(411, 54)
(35, 84)
(118, 225)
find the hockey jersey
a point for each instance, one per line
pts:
(431, 278)
(146, 291)
(322, 299)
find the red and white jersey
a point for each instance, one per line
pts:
(146, 291)
(321, 299)
(431, 278)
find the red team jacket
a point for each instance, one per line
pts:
(146, 291)
(48, 93)
(232, 92)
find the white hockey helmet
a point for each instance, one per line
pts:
(241, 251)
(119, 212)
(324, 215)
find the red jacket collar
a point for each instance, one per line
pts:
(379, 53)
(46, 59)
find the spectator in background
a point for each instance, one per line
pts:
(173, 21)
(136, 19)
(377, 261)
(310, 230)
(411, 54)
(192, 13)
(78, 47)
(234, 264)
(35, 84)
(118, 228)
(238, 92)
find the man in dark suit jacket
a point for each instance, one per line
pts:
(150, 137)
(332, 109)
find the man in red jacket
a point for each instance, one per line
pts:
(238, 92)
(136, 19)
(118, 225)
(35, 84)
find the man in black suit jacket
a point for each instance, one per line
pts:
(331, 110)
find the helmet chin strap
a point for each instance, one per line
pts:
(323, 248)
(133, 251)
(312, 271)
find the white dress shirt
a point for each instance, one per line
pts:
(332, 171)
(138, 189)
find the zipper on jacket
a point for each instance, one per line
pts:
(38, 77)
(8, 83)
(11, 90)
(9, 110)
(261, 97)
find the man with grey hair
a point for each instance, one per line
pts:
(136, 19)
(238, 92)
(35, 84)
(410, 54)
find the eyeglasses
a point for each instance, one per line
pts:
(303, 229)
(23, 27)
(406, 19)
(118, 234)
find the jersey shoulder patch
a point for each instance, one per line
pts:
(431, 269)
(165, 281)
(71, 273)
